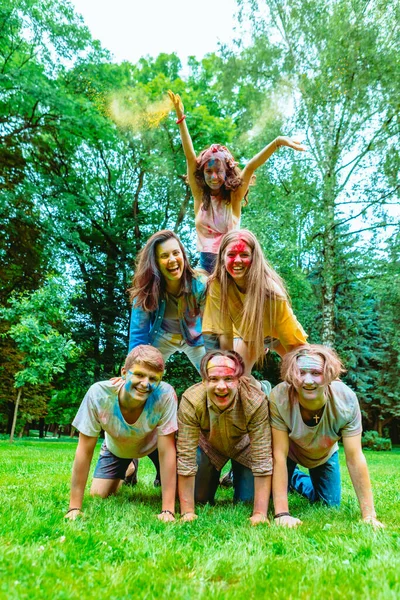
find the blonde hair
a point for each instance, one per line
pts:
(263, 283)
(333, 366)
(147, 356)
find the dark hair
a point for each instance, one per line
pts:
(233, 179)
(237, 359)
(148, 285)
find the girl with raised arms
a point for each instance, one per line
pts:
(218, 186)
(247, 296)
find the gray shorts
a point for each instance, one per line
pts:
(110, 466)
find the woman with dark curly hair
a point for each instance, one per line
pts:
(218, 186)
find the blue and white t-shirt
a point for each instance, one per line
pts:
(100, 410)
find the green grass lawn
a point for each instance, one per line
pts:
(120, 550)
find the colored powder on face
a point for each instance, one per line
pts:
(128, 386)
(234, 252)
(222, 361)
(309, 362)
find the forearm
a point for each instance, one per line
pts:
(187, 145)
(359, 475)
(280, 485)
(260, 158)
(262, 492)
(168, 478)
(186, 493)
(80, 472)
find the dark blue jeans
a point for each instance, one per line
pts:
(207, 261)
(207, 480)
(321, 485)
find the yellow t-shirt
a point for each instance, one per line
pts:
(279, 320)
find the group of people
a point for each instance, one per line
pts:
(224, 316)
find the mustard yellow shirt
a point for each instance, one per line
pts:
(279, 320)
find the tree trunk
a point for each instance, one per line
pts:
(15, 415)
(41, 427)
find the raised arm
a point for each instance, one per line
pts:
(359, 475)
(258, 160)
(80, 472)
(187, 148)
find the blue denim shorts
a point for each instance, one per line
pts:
(110, 466)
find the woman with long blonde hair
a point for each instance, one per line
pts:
(247, 298)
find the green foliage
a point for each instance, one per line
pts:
(83, 189)
(35, 320)
(372, 441)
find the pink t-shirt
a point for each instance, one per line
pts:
(212, 224)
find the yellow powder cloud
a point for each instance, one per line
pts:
(133, 111)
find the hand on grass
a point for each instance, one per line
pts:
(288, 521)
(189, 516)
(166, 517)
(258, 518)
(374, 522)
(282, 140)
(73, 514)
(177, 103)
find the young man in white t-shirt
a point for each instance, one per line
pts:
(310, 411)
(137, 416)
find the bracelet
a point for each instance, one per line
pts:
(282, 514)
(167, 511)
(180, 120)
(71, 509)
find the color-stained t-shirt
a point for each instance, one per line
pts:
(311, 446)
(241, 432)
(279, 320)
(100, 410)
(212, 224)
(171, 322)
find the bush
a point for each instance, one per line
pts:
(372, 441)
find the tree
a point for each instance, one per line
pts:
(35, 322)
(338, 58)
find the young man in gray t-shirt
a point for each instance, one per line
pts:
(310, 411)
